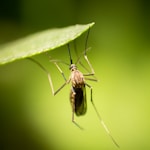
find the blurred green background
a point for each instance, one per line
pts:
(31, 118)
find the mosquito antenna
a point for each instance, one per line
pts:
(71, 62)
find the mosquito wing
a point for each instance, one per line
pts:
(80, 101)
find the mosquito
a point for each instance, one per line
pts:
(78, 86)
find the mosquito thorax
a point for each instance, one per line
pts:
(73, 67)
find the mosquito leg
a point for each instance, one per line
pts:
(49, 77)
(77, 125)
(91, 68)
(91, 72)
(86, 58)
(100, 118)
(60, 71)
(90, 79)
(75, 121)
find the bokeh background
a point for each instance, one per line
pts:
(31, 118)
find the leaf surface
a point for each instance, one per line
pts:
(40, 42)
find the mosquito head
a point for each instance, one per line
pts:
(73, 67)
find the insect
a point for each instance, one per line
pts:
(78, 86)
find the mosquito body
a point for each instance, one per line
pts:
(77, 92)
(78, 87)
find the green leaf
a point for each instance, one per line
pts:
(40, 42)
